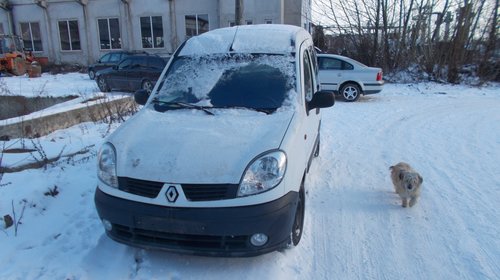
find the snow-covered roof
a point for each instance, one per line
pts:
(264, 38)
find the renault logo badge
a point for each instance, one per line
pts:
(172, 194)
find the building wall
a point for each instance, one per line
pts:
(306, 15)
(129, 12)
(32, 13)
(68, 11)
(195, 7)
(256, 11)
(4, 24)
(103, 9)
(149, 8)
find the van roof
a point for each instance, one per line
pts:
(263, 38)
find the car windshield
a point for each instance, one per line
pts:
(259, 82)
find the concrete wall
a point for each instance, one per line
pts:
(39, 126)
(14, 105)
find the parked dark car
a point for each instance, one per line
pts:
(139, 71)
(109, 60)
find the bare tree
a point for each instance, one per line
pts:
(489, 69)
(396, 34)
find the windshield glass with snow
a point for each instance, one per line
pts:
(259, 82)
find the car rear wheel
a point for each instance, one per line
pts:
(91, 74)
(350, 92)
(147, 86)
(102, 84)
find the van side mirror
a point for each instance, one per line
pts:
(141, 96)
(321, 99)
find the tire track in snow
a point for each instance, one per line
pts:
(392, 241)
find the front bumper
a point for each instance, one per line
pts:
(223, 231)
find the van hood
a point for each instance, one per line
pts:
(188, 146)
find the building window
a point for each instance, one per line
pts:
(32, 38)
(248, 22)
(109, 34)
(268, 21)
(196, 25)
(152, 32)
(69, 34)
(1, 28)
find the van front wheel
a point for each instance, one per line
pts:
(298, 224)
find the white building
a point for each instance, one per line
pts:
(80, 31)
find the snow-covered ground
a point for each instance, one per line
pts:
(50, 85)
(355, 227)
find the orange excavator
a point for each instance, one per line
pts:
(13, 58)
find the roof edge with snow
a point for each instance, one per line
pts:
(263, 38)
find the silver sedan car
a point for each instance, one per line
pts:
(348, 77)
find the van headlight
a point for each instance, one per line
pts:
(264, 173)
(106, 170)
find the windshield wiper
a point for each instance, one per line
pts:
(262, 110)
(183, 105)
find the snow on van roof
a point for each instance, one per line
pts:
(263, 38)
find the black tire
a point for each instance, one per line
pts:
(350, 92)
(147, 86)
(298, 224)
(91, 74)
(103, 84)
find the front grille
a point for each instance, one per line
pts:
(200, 192)
(193, 192)
(139, 187)
(179, 241)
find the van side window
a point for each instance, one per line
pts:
(308, 79)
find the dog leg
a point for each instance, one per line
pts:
(405, 202)
(413, 200)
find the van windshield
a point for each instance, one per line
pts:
(253, 81)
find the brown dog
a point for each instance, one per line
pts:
(406, 182)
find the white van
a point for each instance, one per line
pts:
(215, 161)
